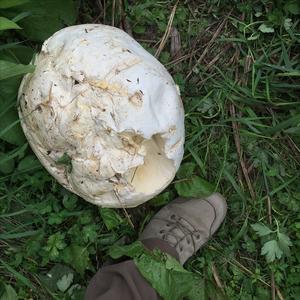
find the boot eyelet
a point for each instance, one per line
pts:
(173, 217)
(180, 249)
(168, 225)
(161, 231)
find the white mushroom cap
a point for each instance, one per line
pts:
(100, 99)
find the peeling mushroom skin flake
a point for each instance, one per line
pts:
(101, 100)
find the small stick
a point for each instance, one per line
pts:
(124, 210)
(166, 35)
(279, 294)
(273, 287)
(217, 278)
(113, 13)
(237, 141)
(216, 34)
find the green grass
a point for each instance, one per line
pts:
(238, 70)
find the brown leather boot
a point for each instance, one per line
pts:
(187, 224)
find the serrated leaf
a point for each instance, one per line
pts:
(287, 24)
(55, 243)
(50, 279)
(271, 250)
(64, 283)
(89, 233)
(170, 279)
(77, 257)
(261, 229)
(284, 243)
(265, 29)
(6, 24)
(133, 250)
(70, 201)
(160, 200)
(194, 187)
(110, 218)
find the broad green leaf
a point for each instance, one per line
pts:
(194, 187)
(16, 53)
(7, 166)
(28, 163)
(77, 257)
(265, 29)
(284, 243)
(292, 6)
(50, 279)
(161, 199)
(47, 17)
(170, 279)
(186, 170)
(9, 69)
(110, 218)
(10, 129)
(139, 29)
(9, 293)
(64, 283)
(261, 229)
(11, 3)
(6, 24)
(271, 250)
(133, 250)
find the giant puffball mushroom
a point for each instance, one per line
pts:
(103, 116)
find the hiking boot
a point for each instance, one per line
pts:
(187, 224)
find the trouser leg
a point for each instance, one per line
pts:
(123, 281)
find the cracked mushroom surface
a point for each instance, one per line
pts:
(103, 116)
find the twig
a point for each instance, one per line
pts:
(113, 13)
(273, 287)
(124, 210)
(237, 141)
(166, 35)
(175, 43)
(279, 294)
(216, 34)
(294, 148)
(104, 11)
(217, 57)
(128, 217)
(217, 278)
(124, 23)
